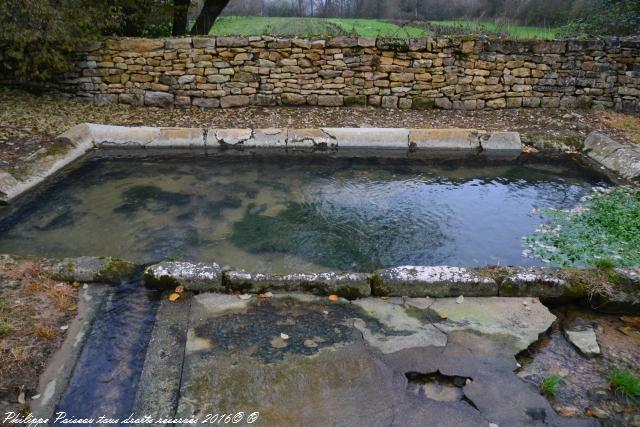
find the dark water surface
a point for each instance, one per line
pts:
(105, 379)
(296, 215)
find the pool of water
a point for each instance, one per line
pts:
(295, 215)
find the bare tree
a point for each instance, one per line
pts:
(210, 12)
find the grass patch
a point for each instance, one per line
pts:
(624, 382)
(308, 27)
(627, 123)
(550, 386)
(462, 27)
(5, 328)
(605, 232)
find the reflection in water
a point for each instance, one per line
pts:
(294, 215)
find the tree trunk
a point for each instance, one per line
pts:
(210, 12)
(180, 17)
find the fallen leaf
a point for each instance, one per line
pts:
(443, 315)
(460, 299)
(266, 295)
(631, 320)
(64, 328)
(35, 397)
(626, 330)
(21, 398)
(75, 285)
(284, 336)
(174, 297)
(180, 289)
(333, 298)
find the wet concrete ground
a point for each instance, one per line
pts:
(299, 360)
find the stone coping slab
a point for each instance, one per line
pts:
(370, 142)
(552, 285)
(623, 160)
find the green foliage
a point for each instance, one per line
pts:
(39, 37)
(625, 382)
(607, 18)
(550, 385)
(462, 27)
(606, 231)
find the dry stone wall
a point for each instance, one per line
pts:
(448, 73)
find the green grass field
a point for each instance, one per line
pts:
(306, 27)
(476, 27)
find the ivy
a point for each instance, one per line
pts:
(606, 228)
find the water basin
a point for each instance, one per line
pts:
(292, 214)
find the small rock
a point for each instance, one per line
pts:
(468, 381)
(35, 397)
(284, 336)
(567, 411)
(21, 398)
(600, 413)
(493, 425)
(460, 299)
(64, 328)
(310, 344)
(244, 297)
(278, 342)
(584, 340)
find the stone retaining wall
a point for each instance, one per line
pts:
(448, 73)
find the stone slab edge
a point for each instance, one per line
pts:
(377, 142)
(159, 387)
(53, 382)
(622, 159)
(552, 285)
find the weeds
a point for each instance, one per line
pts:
(625, 383)
(605, 232)
(5, 328)
(550, 386)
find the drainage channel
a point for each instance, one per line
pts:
(106, 376)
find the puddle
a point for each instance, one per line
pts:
(436, 386)
(106, 376)
(296, 215)
(584, 389)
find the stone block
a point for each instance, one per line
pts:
(444, 139)
(330, 100)
(501, 141)
(434, 282)
(158, 99)
(199, 277)
(346, 285)
(232, 101)
(370, 138)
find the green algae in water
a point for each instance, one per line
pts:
(342, 238)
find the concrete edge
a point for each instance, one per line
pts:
(357, 142)
(551, 284)
(159, 386)
(54, 380)
(622, 159)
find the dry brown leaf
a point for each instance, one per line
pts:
(174, 297)
(631, 320)
(333, 298)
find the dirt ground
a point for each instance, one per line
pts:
(29, 123)
(34, 315)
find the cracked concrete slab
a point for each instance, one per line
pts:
(310, 361)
